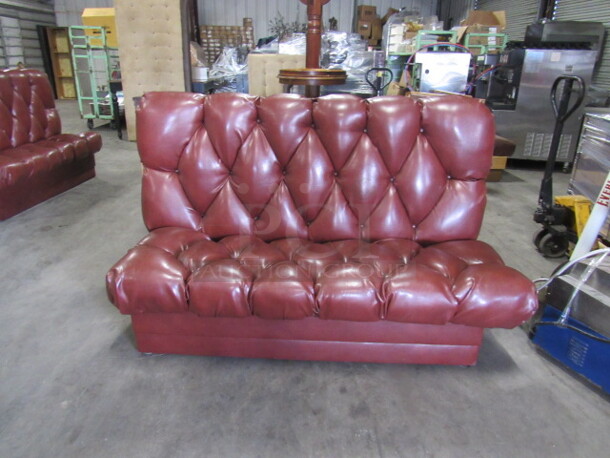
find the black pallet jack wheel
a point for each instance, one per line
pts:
(552, 245)
(89, 123)
(541, 233)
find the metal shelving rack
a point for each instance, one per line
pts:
(423, 37)
(92, 61)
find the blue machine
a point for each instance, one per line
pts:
(580, 353)
(574, 326)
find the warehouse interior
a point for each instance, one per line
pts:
(76, 380)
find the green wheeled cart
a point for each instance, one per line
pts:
(94, 63)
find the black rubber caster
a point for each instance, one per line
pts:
(553, 246)
(89, 123)
(538, 236)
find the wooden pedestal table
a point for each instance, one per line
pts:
(311, 78)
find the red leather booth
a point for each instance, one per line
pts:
(37, 161)
(321, 229)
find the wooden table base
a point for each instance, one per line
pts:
(312, 78)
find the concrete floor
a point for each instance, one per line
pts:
(73, 385)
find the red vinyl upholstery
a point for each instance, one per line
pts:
(37, 161)
(339, 208)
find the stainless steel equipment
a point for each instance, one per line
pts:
(519, 93)
(592, 161)
(567, 31)
(443, 71)
(591, 306)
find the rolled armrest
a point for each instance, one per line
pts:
(148, 279)
(493, 296)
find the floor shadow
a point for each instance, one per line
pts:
(125, 343)
(493, 356)
(579, 377)
(508, 177)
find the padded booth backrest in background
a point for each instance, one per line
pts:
(150, 50)
(337, 167)
(263, 71)
(27, 108)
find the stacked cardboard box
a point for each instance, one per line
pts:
(402, 36)
(215, 37)
(488, 22)
(368, 24)
(101, 17)
(390, 12)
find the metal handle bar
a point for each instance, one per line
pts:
(569, 81)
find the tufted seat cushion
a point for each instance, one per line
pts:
(179, 270)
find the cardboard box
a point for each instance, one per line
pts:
(402, 82)
(367, 12)
(376, 29)
(485, 41)
(364, 28)
(387, 15)
(498, 165)
(395, 89)
(478, 21)
(402, 44)
(485, 18)
(102, 17)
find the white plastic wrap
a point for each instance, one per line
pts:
(295, 43)
(232, 61)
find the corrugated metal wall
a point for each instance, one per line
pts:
(423, 7)
(69, 12)
(19, 21)
(453, 11)
(519, 14)
(11, 47)
(590, 10)
(231, 12)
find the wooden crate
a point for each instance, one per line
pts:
(498, 164)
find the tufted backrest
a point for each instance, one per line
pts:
(27, 108)
(338, 167)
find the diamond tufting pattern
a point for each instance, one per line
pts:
(339, 208)
(336, 168)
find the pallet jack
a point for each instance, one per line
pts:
(562, 217)
(572, 325)
(383, 76)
